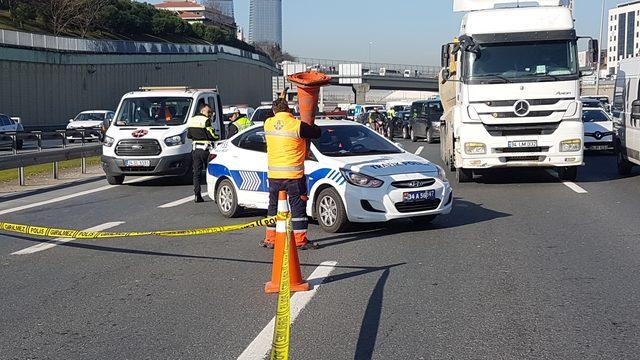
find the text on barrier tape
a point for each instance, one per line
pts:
(281, 330)
(77, 234)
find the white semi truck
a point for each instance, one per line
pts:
(510, 88)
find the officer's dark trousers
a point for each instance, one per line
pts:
(200, 161)
(297, 191)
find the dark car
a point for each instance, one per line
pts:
(404, 123)
(425, 120)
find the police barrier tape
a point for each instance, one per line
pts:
(281, 330)
(77, 234)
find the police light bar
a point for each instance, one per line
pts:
(475, 5)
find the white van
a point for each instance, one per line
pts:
(148, 135)
(626, 115)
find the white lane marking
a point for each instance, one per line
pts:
(419, 151)
(70, 196)
(261, 345)
(180, 202)
(55, 242)
(571, 185)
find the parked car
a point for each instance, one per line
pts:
(261, 114)
(425, 120)
(8, 124)
(97, 120)
(598, 129)
(604, 100)
(404, 123)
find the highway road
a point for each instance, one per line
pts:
(525, 267)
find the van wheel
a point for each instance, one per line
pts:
(568, 173)
(115, 180)
(464, 175)
(330, 211)
(187, 178)
(414, 138)
(227, 199)
(429, 136)
(624, 165)
(405, 133)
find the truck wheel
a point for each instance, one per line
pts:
(115, 180)
(464, 175)
(624, 165)
(405, 133)
(414, 138)
(568, 173)
(227, 199)
(330, 211)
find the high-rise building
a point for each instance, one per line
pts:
(265, 21)
(624, 33)
(225, 7)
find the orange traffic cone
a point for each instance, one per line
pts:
(309, 84)
(295, 275)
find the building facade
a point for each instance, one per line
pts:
(623, 33)
(224, 6)
(265, 21)
(196, 13)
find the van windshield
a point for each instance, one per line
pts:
(154, 111)
(525, 61)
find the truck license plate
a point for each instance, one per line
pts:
(419, 195)
(523, 143)
(137, 163)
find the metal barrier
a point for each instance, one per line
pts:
(331, 67)
(20, 158)
(60, 43)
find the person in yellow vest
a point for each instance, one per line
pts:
(202, 134)
(286, 151)
(239, 122)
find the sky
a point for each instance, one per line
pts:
(401, 31)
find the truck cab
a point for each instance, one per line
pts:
(510, 88)
(148, 135)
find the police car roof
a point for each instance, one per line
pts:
(333, 122)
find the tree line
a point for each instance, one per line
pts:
(120, 17)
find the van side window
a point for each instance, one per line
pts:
(618, 105)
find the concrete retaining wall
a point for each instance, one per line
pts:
(46, 88)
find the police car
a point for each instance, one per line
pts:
(353, 175)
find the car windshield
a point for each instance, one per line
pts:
(154, 111)
(261, 115)
(594, 115)
(538, 61)
(352, 140)
(90, 117)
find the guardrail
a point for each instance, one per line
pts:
(60, 43)
(331, 67)
(20, 158)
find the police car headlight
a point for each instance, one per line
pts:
(108, 141)
(176, 140)
(361, 180)
(442, 175)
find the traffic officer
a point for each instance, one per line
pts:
(286, 151)
(202, 135)
(238, 123)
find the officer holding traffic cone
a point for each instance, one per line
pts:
(286, 151)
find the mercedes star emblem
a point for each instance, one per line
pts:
(521, 108)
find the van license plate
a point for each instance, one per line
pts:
(419, 195)
(137, 163)
(523, 143)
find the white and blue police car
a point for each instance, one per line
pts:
(353, 175)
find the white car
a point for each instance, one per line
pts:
(353, 175)
(598, 129)
(8, 124)
(96, 120)
(261, 114)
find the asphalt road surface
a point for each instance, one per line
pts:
(525, 267)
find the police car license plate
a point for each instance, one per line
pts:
(137, 163)
(523, 143)
(419, 195)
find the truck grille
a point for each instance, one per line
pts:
(522, 150)
(424, 205)
(522, 129)
(532, 102)
(525, 158)
(504, 115)
(138, 147)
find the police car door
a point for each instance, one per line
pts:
(248, 167)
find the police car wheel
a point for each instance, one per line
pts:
(226, 199)
(330, 211)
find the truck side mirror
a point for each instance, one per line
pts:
(635, 110)
(594, 51)
(444, 56)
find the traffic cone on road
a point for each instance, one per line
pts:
(295, 275)
(309, 84)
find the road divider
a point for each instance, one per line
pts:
(60, 233)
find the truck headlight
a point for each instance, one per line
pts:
(108, 141)
(361, 180)
(571, 145)
(571, 110)
(473, 113)
(473, 148)
(176, 139)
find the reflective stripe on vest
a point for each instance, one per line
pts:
(286, 150)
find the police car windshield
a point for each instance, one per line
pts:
(352, 140)
(154, 111)
(594, 115)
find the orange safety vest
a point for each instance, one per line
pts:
(286, 150)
